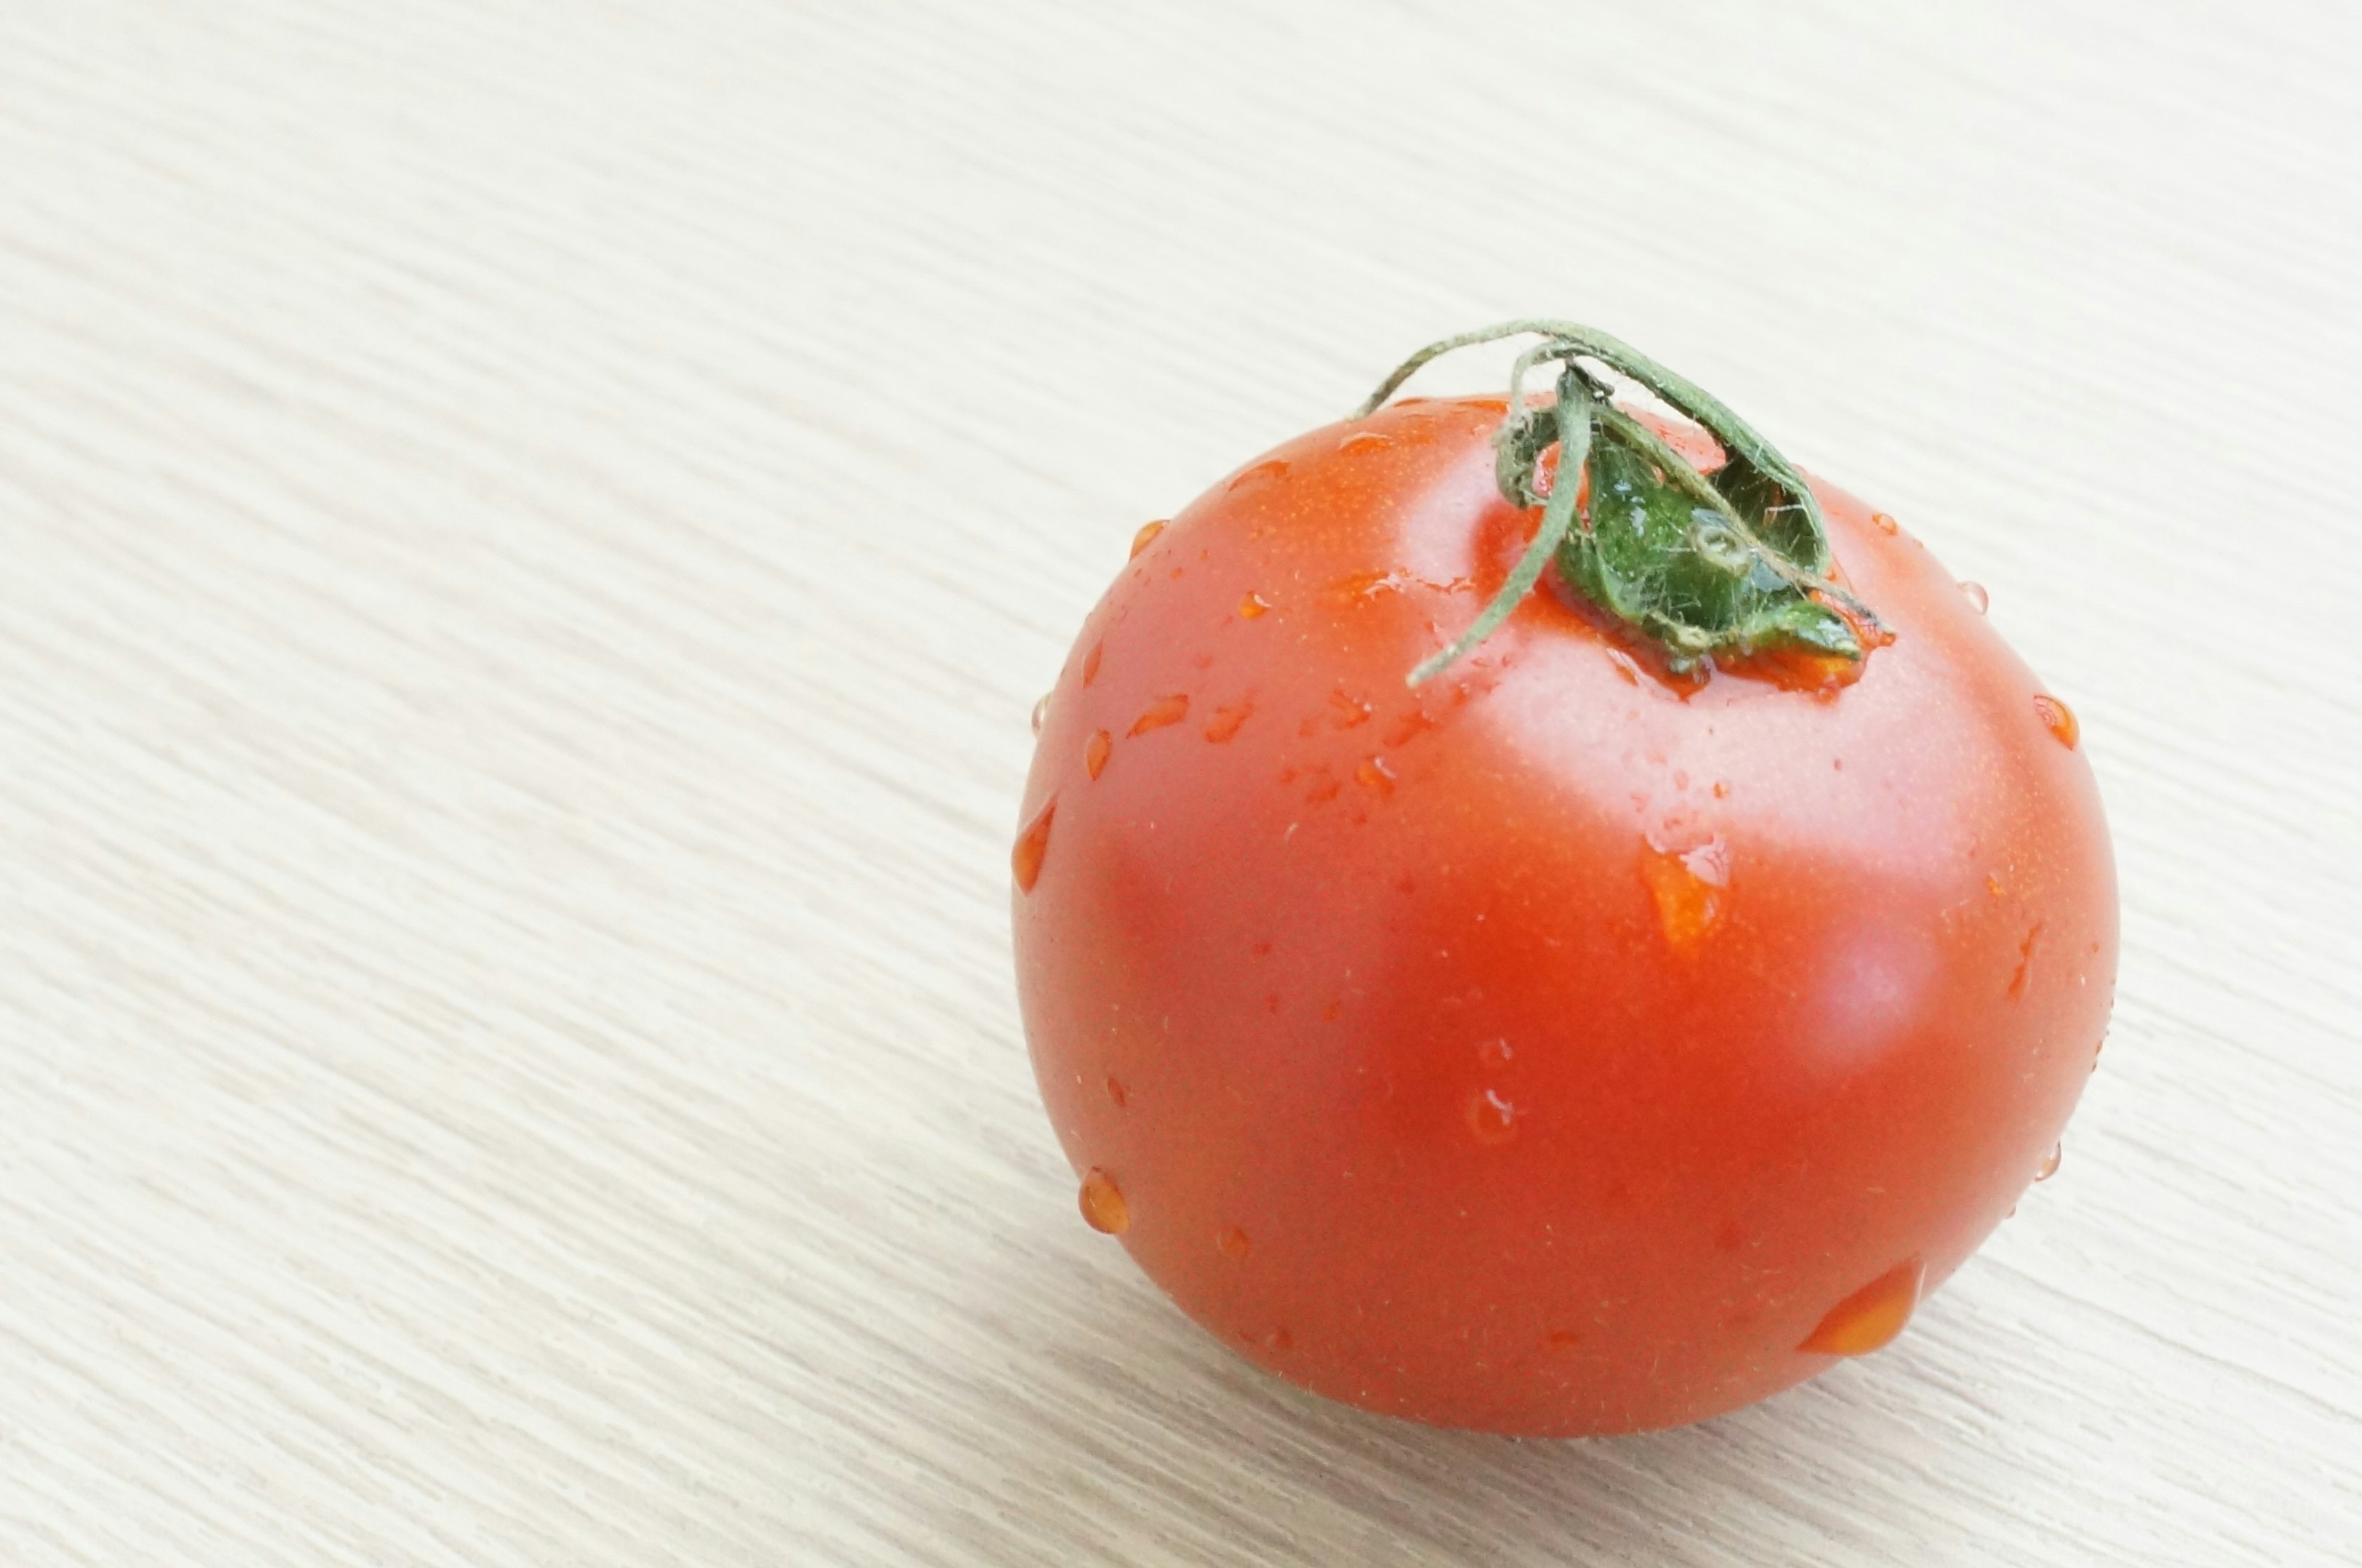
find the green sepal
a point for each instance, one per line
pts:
(1681, 572)
(1733, 563)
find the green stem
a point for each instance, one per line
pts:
(1703, 566)
(1558, 520)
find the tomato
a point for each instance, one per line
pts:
(1564, 1045)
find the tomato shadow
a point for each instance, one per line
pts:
(1116, 1430)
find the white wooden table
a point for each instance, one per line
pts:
(528, 534)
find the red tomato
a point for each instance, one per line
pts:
(1559, 1047)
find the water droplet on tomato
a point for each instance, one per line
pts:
(2024, 961)
(1096, 752)
(2049, 1167)
(1490, 1116)
(1117, 1092)
(1885, 525)
(1033, 845)
(1145, 538)
(1225, 722)
(1279, 1339)
(1495, 1052)
(1041, 712)
(1233, 1245)
(1252, 605)
(1872, 1317)
(1974, 592)
(1412, 724)
(1373, 774)
(1689, 888)
(1091, 662)
(1348, 713)
(1261, 473)
(1364, 441)
(1102, 1204)
(2059, 720)
(1163, 712)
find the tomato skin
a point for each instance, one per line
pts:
(1549, 1049)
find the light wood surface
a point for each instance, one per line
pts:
(528, 536)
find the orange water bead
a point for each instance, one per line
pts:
(2059, 720)
(1032, 848)
(1689, 890)
(1227, 720)
(1491, 1118)
(1102, 1204)
(1163, 712)
(1872, 1317)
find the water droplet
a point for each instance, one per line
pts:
(1364, 441)
(1974, 592)
(1041, 712)
(1102, 1204)
(1366, 585)
(1225, 722)
(1091, 662)
(1412, 724)
(1033, 845)
(1993, 885)
(1145, 538)
(1117, 1092)
(2049, 1167)
(1260, 474)
(1348, 713)
(1688, 888)
(2059, 720)
(1495, 1052)
(1373, 774)
(1252, 605)
(1279, 1339)
(2025, 962)
(1885, 525)
(1233, 1244)
(1323, 792)
(1163, 712)
(1490, 1116)
(1096, 752)
(1870, 1317)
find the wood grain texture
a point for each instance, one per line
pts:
(531, 531)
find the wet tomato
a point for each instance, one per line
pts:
(1565, 1044)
